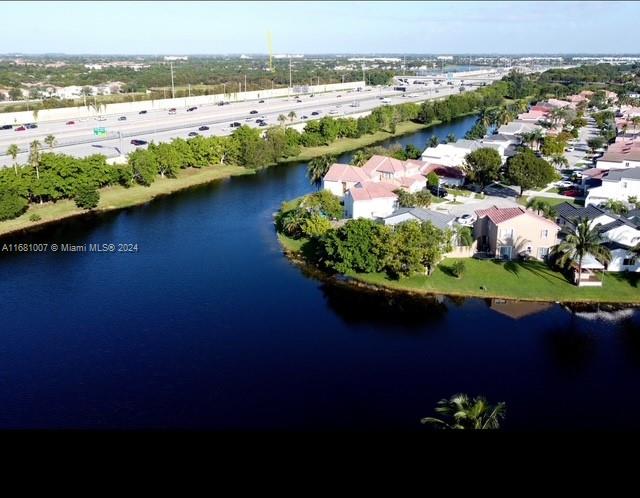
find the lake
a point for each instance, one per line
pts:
(209, 326)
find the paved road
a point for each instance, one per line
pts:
(158, 125)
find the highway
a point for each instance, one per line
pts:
(78, 139)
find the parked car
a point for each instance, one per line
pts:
(465, 219)
(572, 192)
(438, 191)
(191, 109)
(193, 133)
(122, 118)
(71, 122)
(569, 149)
(142, 112)
(564, 184)
(20, 128)
(253, 112)
(138, 142)
(203, 128)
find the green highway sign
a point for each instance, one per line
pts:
(100, 132)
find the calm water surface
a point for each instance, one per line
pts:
(209, 326)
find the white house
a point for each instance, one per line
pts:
(618, 185)
(518, 128)
(621, 154)
(341, 177)
(370, 200)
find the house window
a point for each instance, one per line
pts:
(544, 234)
(543, 252)
(505, 252)
(629, 262)
(506, 233)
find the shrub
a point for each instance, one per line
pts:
(12, 205)
(458, 268)
(35, 217)
(86, 196)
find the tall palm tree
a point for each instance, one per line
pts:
(282, 118)
(50, 140)
(433, 141)
(463, 236)
(13, 150)
(292, 115)
(461, 412)
(503, 117)
(579, 241)
(360, 157)
(34, 157)
(317, 168)
(541, 207)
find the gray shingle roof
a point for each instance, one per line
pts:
(439, 220)
(618, 174)
(569, 212)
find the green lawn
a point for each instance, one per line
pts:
(290, 244)
(513, 280)
(552, 201)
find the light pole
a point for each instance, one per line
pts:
(173, 89)
(120, 137)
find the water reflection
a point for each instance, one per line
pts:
(517, 309)
(571, 347)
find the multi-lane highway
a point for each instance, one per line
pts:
(76, 136)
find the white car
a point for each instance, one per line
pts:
(564, 184)
(465, 220)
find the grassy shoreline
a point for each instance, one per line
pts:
(521, 281)
(112, 198)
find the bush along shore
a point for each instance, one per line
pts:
(52, 186)
(411, 258)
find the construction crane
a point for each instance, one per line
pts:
(270, 47)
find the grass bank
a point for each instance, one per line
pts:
(525, 281)
(119, 197)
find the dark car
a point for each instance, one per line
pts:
(203, 128)
(260, 101)
(254, 112)
(235, 124)
(173, 110)
(304, 117)
(20, 128)
(7, 127)
(142, 112)
(122, 118)
(191, 109)
(298, 101)
(71, 122)
(572, 192)
(339, 96)
(315, 113)
(438, 191)
(137, 142)
(31, 126)
(193, 133)
(263, 123)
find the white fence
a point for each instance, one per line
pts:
(125, 107)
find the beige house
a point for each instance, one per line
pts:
(510, 232)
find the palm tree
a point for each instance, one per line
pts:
(451, 137)
(485, 118)
(558, 160)
(317, 168)
(34, 156)
(504, 116)
(463, 236)
(541, 207)
(578, 242)
(461, 412)
(13, 150)
(433, 141)
(360, 157)
(50, 140)
(521, 105)
(282, 118)
(292, 222)
(292, 115)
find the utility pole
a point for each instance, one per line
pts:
(120, 137)
(173, 89)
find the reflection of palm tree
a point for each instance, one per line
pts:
(13, 150)
(461, 412)
(580, 241)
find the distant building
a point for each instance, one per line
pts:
(176, 58)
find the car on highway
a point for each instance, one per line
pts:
(304, 117)
(142, 112)
(263, 123)
(338, 96)
(193, 133)
(333, 111)
(298, 101)
(465, 220)
(71, 122)
(101, 118)
(122, 118)
(20, 128)
(173, 110)
(235, 124)
(138, 142)
(31, 126)
(569, 149)
(203, 128)
(260, 101)
(191, 109)
(253, 112)
(315, 113)
(438, 191)
(311, 95)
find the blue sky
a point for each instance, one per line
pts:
(320, 27)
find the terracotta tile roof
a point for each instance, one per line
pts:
(372, 190)
(407, 181)
(383, 164)
(499, 215)
(345, 173)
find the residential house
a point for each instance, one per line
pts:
(617, 185)
(519, 128)
(439, 220)
(621, 154)
(341, 177)
(447, 175)
(510, 232)
(370, 200)
(453, 154)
